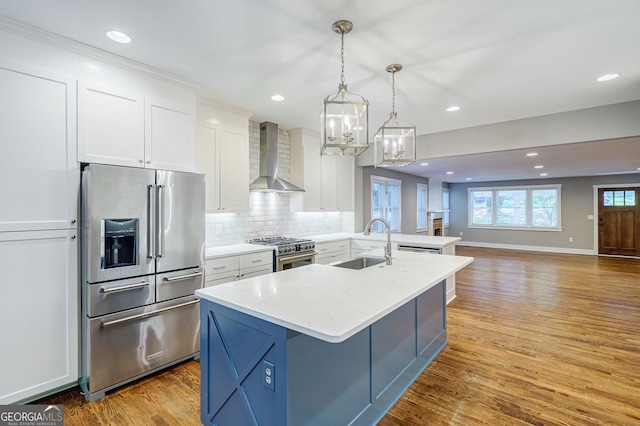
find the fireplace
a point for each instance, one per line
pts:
(437, 227)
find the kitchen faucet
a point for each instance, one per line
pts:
(387, 249)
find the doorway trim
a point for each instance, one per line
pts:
(595, 208)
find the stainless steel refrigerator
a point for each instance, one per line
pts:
(143, 243)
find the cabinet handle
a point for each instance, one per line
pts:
(124, 287)
(220, 267)
(73, 221)
(148, 161)
(256, 261)
(323, 249)
(183, 277)
(147, 314)
(341, 246)
(73, 237)
(141, 161)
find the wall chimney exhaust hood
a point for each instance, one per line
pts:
(268, 181)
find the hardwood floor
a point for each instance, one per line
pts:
(534, 339)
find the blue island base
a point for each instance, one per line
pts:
(257, 373)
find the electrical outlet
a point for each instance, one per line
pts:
(269, 376)
(461, 233)
(570, 239)
(218, 229)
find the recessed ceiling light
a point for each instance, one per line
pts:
(543, 174)
(426, 164)
(118, 36)
(277, 98)
(449, 173)
(607, 77)
(539, 166)
(532, 154)
(468, 179)
(453, 108)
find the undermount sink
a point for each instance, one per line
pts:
(360, 262)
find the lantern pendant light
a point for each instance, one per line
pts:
(345, 116)
(395, 141)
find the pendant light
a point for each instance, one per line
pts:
(395, 141)
(345, 116)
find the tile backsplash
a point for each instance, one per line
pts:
(268, 213)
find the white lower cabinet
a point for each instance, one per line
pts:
(332, 251)
(221, 270)
(38, 313)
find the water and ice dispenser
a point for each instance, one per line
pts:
(120, 242)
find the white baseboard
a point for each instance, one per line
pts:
(527, 248)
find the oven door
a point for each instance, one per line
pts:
(295, 261)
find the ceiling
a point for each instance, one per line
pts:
(499, 60)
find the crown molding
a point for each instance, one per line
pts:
(56, 41)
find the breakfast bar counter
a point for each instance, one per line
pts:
(321, 344)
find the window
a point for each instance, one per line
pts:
(421, 214)
(385, 202)
(522, 207)
(619, 198)
(445, 206)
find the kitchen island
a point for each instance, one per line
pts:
(321, 344)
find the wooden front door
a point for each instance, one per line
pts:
(619, 221)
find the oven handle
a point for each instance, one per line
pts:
(182, 277)
(147, 314)
(301, 256)
(124, 287)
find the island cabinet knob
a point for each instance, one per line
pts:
(141, 161)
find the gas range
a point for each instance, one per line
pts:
(285, 246)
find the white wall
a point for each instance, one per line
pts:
(577, 204)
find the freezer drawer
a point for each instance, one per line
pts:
(124, 346)
(120, 295)
(178, 284)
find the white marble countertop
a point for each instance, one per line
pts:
(234, 250)
(331, 303)
(424, 240)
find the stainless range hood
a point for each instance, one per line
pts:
(268, 181)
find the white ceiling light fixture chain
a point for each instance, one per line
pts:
(344, 120)
(395, 141)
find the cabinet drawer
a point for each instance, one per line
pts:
(114, 296)
(336, 256)
(255, 272)
(332, 246)
(177, 284)
(256, 259)
(130, 343)
(367, 244)
(221, 278)
(221, 265)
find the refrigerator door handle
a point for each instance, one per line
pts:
(151, 222)
(160, 230)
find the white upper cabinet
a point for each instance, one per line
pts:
(125, 128)
(222, 154)
(328, 180)
(110, 126)
(38, 169)
(169, 136)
